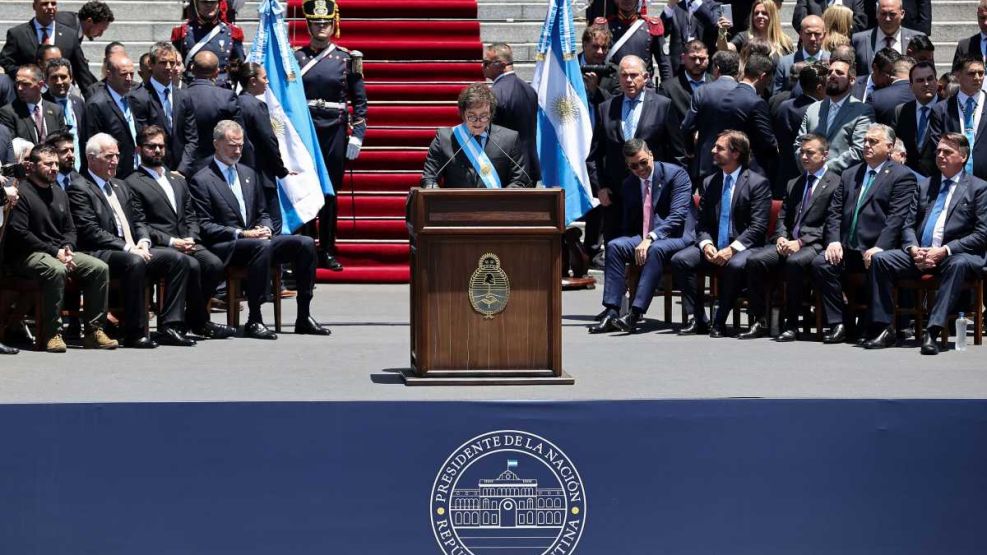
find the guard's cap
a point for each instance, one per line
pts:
(320, 9)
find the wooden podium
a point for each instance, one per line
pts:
(486, 307)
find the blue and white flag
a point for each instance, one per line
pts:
(564, 127)
(301, 195)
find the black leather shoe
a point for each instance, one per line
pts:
(717, 331)
(258, 330)
(837, 334)
(329, 262)
(168, 335)
(309, 326)
(5, 350)
(929, 346)
(599, 317)
(608, 324)
(212, 330)
(628, 322)
(694, 327)
(758, 329)
(139, 343)
(787, 336)
(883, 340)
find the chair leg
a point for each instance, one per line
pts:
(40, 340)
(666, 293)
(978, 311)
(232, 302)
(277, 298)
(819, 316)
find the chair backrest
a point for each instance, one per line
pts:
(773, 218)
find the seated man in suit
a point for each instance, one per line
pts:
(29, 116)
(475, 153)
(733, 218)
(946, 236)
(866, 216)
(796, 241)
(660, 221)
(40, 244)
(234, 225)
(163, 199)
(113, 231)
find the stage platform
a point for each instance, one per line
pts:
(369, 346)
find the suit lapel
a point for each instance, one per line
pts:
(735, 194)
(817, 190)
(227, 193)
(958, 194)
(647, 107)
(879, 180)
(152, 184)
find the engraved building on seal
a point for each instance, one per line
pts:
(507, 501)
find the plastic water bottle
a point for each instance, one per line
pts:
(961, 324)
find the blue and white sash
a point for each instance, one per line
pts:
(481, 163)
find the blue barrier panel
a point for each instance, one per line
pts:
(626, 477)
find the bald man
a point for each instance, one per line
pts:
(109, 110)
(208, 104)
(811, 37)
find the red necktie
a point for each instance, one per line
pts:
(648, 209)
(39, 122)
(44, 35)
(889, 42)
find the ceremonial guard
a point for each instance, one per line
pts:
(333, 77)
(640, 35)
(205, 30)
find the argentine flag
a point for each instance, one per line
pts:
(301, 195)
(564, 127)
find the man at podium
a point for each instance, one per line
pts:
(476, 153)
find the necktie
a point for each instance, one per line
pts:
(723, 232)
(968, 130)
(166, 103)
(930, 222)
(648, 211)
(871, 174)
(806, 197)
(811, 59)
(923, 126)
(39, 122)
(889, 42)
(480, 140)
(629, 118)
(71, 124)
(237, 192)
(129, 116)
(831, 117)
(696, 84)
(44, 35)
(122, 224)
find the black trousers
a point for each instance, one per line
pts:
(206, 272)
(259, 255)
(332, 141)
(828, 281)
(688, 261)
(134, 274)
(797, 268)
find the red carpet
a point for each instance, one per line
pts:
(418, 56)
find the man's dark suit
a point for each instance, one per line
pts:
(103, 115)
(657, 125)
(805, 8)
(16, 117)
(21, 47)
(920, 158)
(148, 106)
(97, 230)
(698, 119)
(220, 224)
(7, 91)
(262, 152)
(964, 233)
(209, 104)
(502, 146)
(783, 73)
(966, 48)
(517, 109)
(679, 91)
(811, 220)
(866, 44)
(882, 215)
(918, 15)
(946, 119)
(749, 213)
(786, 126)
(673, 224)
(163, 223)
(680, 27)
(6, 145)
(78, 106)
(886, 100)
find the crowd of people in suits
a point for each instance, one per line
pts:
(171, 180)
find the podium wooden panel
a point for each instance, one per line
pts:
(453, 344)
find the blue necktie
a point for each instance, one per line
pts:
(73, 127)
(237, 191)
(129, 116)
(166, 104)
(968, 120)
(930, 223)
(923, 126)
(723, 235)
(630, 122)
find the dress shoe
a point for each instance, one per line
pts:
(929, 346)
(5, 350)
(758, 329)
(212, 330)
(694, 327)
(329, 262)
(629, 322)
(97, 339)
(599, 317)
(837, 334)
(309, 326)
(139, 342)
(258, 330)
(168, 335)
(56, 344)
(717, 332)
(883, 340)
(608, 324)
(787, 336)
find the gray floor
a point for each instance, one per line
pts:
(370, 342)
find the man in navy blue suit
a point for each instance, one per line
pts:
(733, 218)
(659, 218)
(866, 216)
(885, 100)
(685, 21)
(912, 120)
(517, 103)
(945, 236)
(889, 32)
(235, 226)
(964, 113)
(209, 104)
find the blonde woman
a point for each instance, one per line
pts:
(765, 23)
(838, 19)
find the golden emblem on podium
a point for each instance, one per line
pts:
(490, 287)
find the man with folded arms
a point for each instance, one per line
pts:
(40, 245)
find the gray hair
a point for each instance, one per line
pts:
(97, 143)
(899, 146)
(224, 127)
(22, 147)
(159, 48)
(635, 60)
(889, 134)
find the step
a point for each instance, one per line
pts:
(378, 181)
(372, 205)
(374, 29)
(389, 49)
(399, 137)
(411, 9)
(371, 228)
(413, 92)
(393, 115)
(396, 273)
(365, 253)
(422, 71)
(408, 160)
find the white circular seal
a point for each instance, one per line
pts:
(509, 491)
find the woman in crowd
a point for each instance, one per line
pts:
(839, 26)
(765, 24)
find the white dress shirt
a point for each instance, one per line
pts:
(977, 110)
(736, 245)
(939, 230)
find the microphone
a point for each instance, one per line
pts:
(444, 166)
(513, 161)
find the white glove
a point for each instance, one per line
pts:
(353, 148)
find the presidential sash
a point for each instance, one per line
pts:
(481, 163)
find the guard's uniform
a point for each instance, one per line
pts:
(226, 42)
(647, 43)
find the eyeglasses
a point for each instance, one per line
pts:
(483, 118)
(154, 146)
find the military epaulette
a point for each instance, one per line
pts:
(341, 49)
(655, 27)
(178, 32)
(236, 33)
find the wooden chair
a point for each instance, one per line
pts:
(235, 275)
(927, 284)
